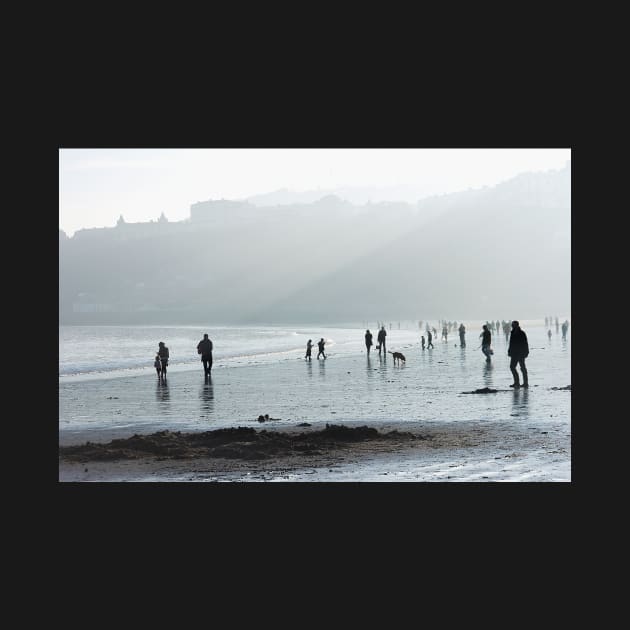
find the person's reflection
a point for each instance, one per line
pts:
(309, 368)
(382, 368)
(487, 374)
(520, 402)
(161, 393)
(462, 357)
(207, 395)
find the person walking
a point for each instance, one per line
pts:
(518, 350)
(309, 345)
(382, 333)
(429, 340)
(320, 344)
(565, 327)
(368, 340)
(422, 339)
(157, 364)
(486, 339)
(462, 335)
(444, 333)
(163, 353)
(204, 348)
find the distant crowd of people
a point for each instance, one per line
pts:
(518, 347)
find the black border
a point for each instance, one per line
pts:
(251, 118)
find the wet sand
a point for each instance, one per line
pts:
(392, 452)
(468, 425)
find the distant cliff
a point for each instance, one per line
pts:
(494, 252)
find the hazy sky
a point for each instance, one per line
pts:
(98, 185)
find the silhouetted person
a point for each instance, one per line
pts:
(204, 348)
(422, 339)
(429, 340)
(486, 339)
(320, 344)
(309, 345)
(382, 333)
(549, 334)
(462, 335)
(157, 364)
(444, 333)
(557, 324)
(565, 327)
(368, 340)
(518, 350)
(163, 353)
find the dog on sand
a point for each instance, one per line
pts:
(398, 356)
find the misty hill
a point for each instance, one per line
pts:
(499, 252)
(352, 194)
(496, 252)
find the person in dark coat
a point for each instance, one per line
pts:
(309, 346)
(204, 348)
(518, 350)
(486, 340)
(320, 345)
(368, 340)
(462, 335)
(382, 333)
(163, 354)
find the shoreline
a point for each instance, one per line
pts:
(477, 428)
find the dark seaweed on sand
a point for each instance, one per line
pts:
(232, 443)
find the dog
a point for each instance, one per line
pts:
(398, 356)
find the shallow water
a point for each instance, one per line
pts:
(346, 387)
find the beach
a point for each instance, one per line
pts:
(444, 414)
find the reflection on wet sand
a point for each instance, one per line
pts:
(162, 393)
(206, 394)
(462, 357)
(520, 402)
(487, 374)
